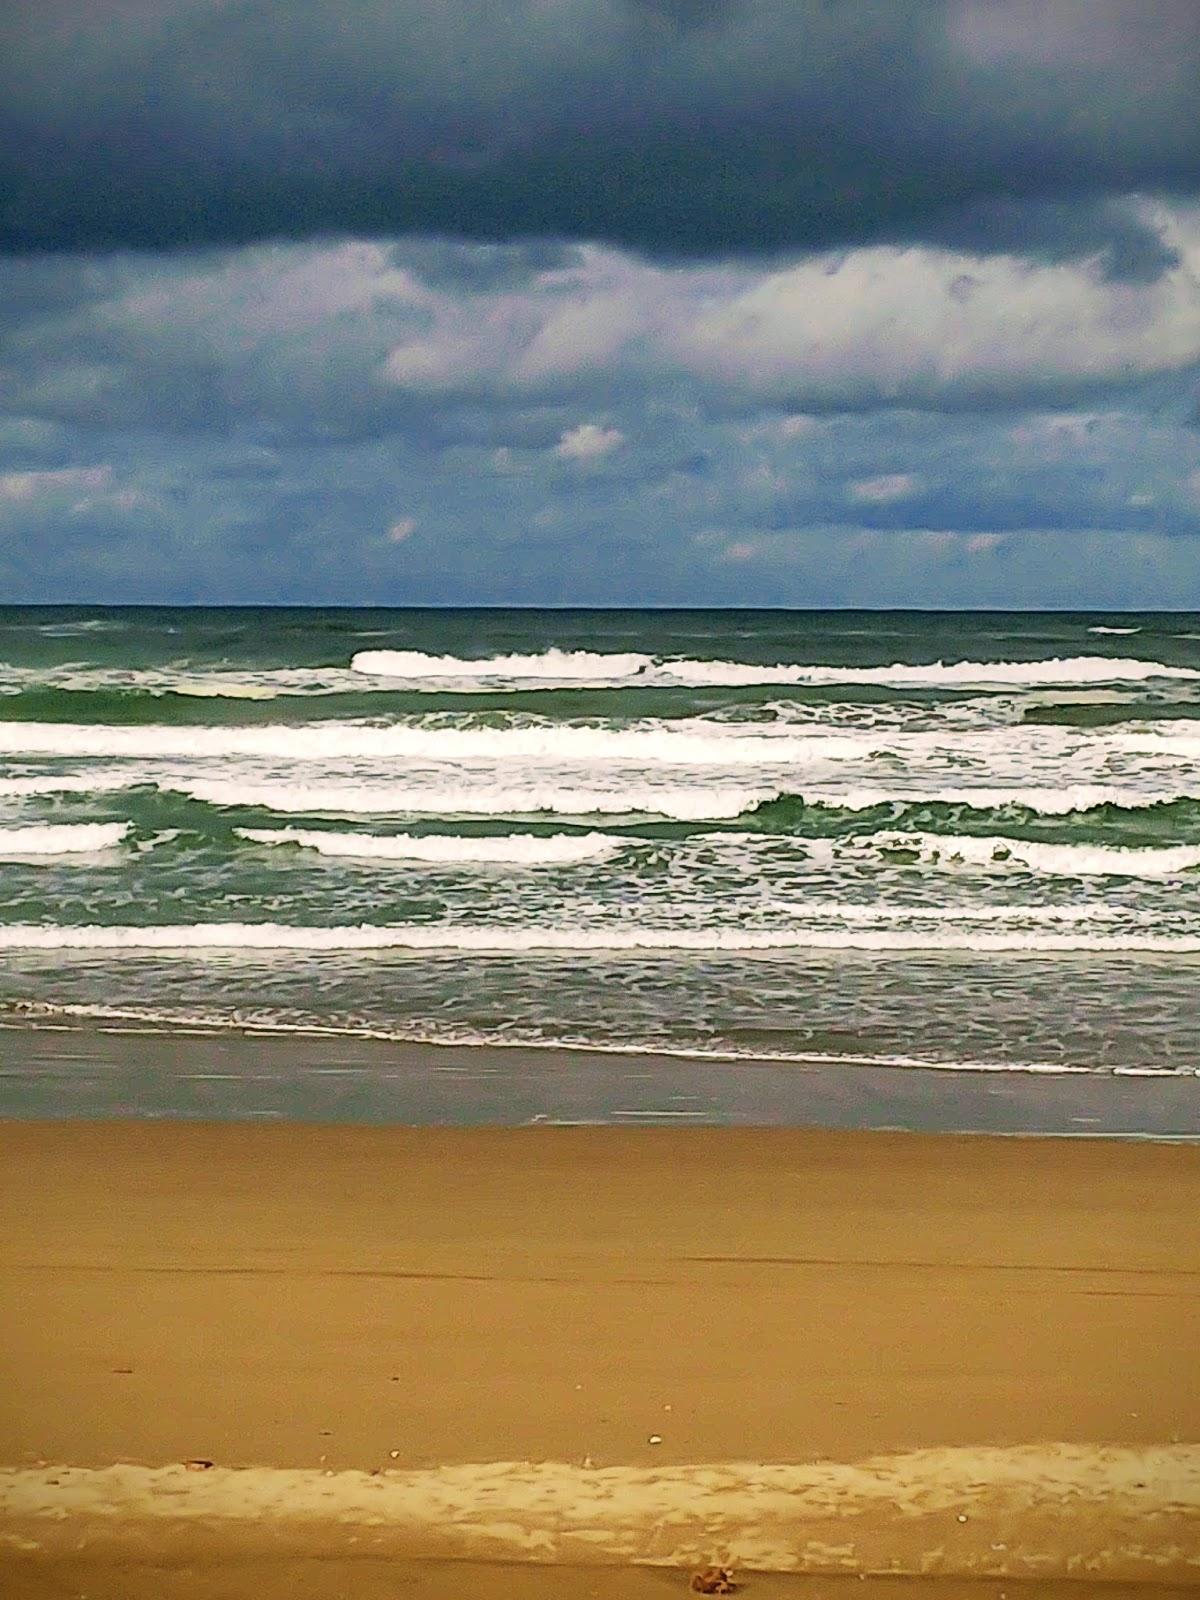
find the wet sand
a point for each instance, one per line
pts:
(94, 1073)
(963, 1356)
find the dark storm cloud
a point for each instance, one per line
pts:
(1126, 248)
(678, 126)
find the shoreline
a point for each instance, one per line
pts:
(97, 1073)
(1000, 1330)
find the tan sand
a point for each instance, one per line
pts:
(854, 1353)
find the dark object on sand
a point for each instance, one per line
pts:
(714, 1580)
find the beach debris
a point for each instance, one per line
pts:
(655, 1438)
(714, 1580)
(197, 1464)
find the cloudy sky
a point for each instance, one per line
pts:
(785, 302)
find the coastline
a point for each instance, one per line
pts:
(360, 1300)
(84, 1071)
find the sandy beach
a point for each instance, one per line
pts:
(813, 1353)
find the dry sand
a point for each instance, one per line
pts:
(853, 1353)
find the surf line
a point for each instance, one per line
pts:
(1045, 1510)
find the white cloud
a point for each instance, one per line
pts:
(740, 550)
(588, 442)
(799, 426)
(885, 489)
(983, 544)
(330, 332)
(881, 325)
(18, 486)
(919, 326)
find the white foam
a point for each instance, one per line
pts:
(603, 669)
(797, 750)
(41, 1012)
(188, 938)
(1028, 1515)
(559, 665)
(223, 689)
(1176, 740)
(935, 675)
(510, 849)
(1060, 860)
(680, 803)
(1051, 802)
(73, 783)
(1115, 631)
(877, 914)
(64, 839)
(695, 744)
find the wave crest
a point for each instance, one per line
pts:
(1057, 860)
(679, 803)
(510, 849)
(610, 669)
(62, 839)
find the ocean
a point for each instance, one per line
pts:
(891, 840)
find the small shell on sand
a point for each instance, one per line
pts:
(714, 1580)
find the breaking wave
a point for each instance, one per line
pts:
(63, 783)
(700, 744)
(583, 666)
(568, 666)
(1050, 802)
(63, 839)
(1058, 860)
(679, 803)
(512, 849)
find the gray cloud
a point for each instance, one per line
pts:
(343, 343)
(887, 507)
(699, 127)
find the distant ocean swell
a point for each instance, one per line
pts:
(740, 813)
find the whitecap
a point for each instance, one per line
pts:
(563, 665)
(680, 803)
(1058, 860)
(62, 839)
(697, 743)
(599, 669)
(1052, 802)
(621, 938)
(510, 849)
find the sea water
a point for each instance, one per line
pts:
(916, 839)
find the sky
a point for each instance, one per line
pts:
(601, 302)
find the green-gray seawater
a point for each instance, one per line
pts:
(899, 838)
